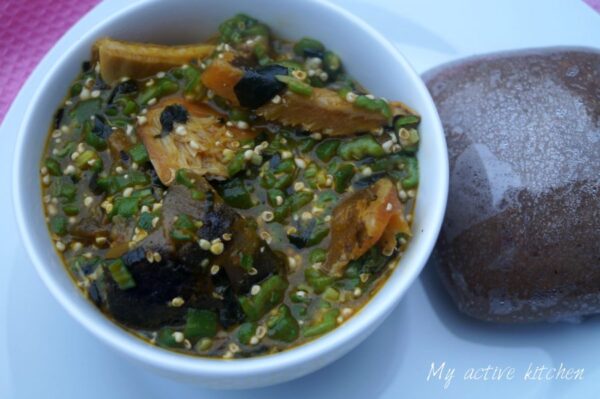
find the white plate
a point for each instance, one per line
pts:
(44, 353)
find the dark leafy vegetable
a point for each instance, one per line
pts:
(260, 85)
(172, 114)
(126, 87)
(84, 110)
(58, 118)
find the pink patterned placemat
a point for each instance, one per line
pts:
(595, 4)
(30, 27)
(28, 30)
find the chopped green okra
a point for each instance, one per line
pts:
(271, 293)
(308, 46)
(70, 209)
(91, 138)
(332, 64)
(318, 280)
(121, 275)
(374, 104)
(406, 121)
(274, 196)
(317, 255)
(342, 177)
(200, 323)
(245, 332)
(59, 225)
(412, 180)
(53, 166)
(64, 190)
(84, 159)
(325, 322)
(235, 193)
(236, 165)
(359, 148)
(193, 88)
(282, 326)
(296, 85)
(166, 338)
(409, 140)
(327, 149)
(160, 88)
(145, 221)
(181, 177)
(139, 154)
(331, 294)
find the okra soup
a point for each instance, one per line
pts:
(231, 198)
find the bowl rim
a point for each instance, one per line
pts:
(123, 341)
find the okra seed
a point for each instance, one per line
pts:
(178, 336)
(268, 216)
(217, 248)
(300, 163)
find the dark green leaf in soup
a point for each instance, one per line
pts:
(258, 86)
(172, 114)
(101, 128)
(126, 87)
(58, 118)
(85, 109)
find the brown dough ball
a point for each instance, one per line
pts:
(521, 237)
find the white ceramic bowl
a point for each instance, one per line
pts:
(368, 56)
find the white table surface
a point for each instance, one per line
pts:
(46, 354)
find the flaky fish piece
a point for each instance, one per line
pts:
(322, 111)
(371, 216)
(199, 143)
(120, 59)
